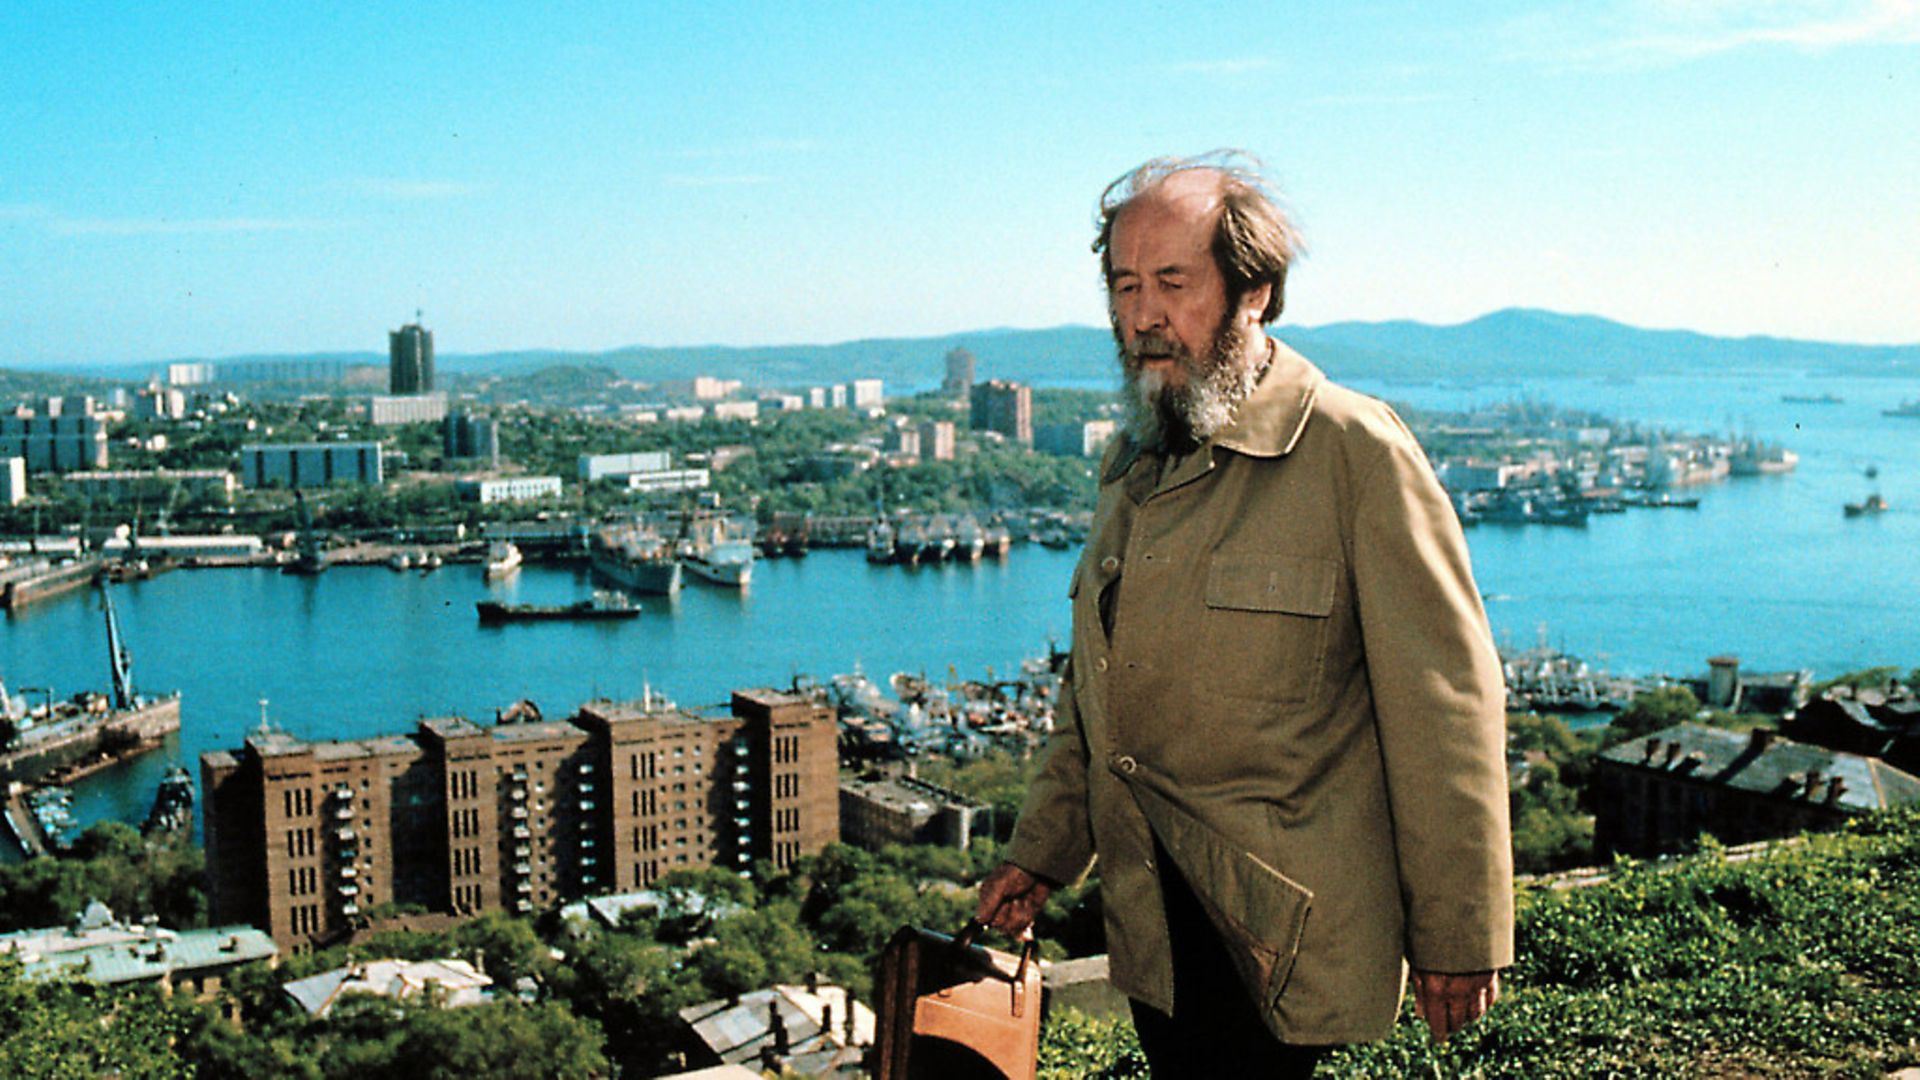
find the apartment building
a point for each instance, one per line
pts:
(305, 839)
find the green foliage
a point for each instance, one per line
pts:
(1653, 711)
(76, 1030)
(1874, 678)
(1075, 1046)
(113, 864)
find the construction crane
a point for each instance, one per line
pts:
(117, 657)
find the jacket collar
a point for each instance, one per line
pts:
(1269, 423)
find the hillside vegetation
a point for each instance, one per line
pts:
(1802, 962)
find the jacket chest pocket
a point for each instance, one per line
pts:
(1265, 625)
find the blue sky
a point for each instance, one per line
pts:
(208, 180)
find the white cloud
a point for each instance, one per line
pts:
(389, 187)
(1656, 32)
(747, 148)
(179, 226)
(1227, 66)
(742, 180)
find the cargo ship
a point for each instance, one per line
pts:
(715, 550)
(602, 606)
(91, 730)
(635, 558)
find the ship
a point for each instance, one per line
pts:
(90, 731)
(880, 542)
(635, 558)
(1873, 504)
(311, 557)
(1909, 409)
(970, 541)
(503, 558)
(172, 810)
(1811, 399)
(602, 606)
(713, 550)
(34, 580)
(1757, 458)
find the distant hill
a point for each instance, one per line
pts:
(1516, 342)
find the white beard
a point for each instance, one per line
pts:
(1161, 416)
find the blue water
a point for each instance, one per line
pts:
(1767, 569)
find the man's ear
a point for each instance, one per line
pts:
(1254, 302)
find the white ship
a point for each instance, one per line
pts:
(716, 550)
(503, 558)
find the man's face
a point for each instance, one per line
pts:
(1187, 352)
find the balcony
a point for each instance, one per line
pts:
(518, 794)
(343, 834)
(523, 868)
(523, 886)
(586, 805)
(349, 909)
(521, 851)
(586, 767)
(521, 832)
(341, 793)
(345, 813)
(520, 813)
(349, 890)
(523, 904)
(349, 872)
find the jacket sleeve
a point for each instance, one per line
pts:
(1440, 706)
(1053, 837)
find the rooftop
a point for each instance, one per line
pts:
(1764, 763)
(458, 980)
(104, 950)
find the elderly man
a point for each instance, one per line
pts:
(1283, 725)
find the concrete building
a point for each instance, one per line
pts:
(664, 480)
(159, 403)
(1005, 407)
(487, 490)
(101, 949)
(302, 837)
(593, 467)
(410, 360)
(811, 1030)
(869, 393)
(61, 441)
(959, 381)
(906, 810)
(781, 402)
(1660, 792)
(155, 487)
(189, 374)
(736, 410)
(902, 442)
(467, 436)
(305, 465)
(13, 480)
(1085, 439)
(385, 410)
(306, 372)
(936, 440)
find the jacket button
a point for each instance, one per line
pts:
(1127, 764)
(1110, 563)
(1100, 664)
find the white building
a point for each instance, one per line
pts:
(736, 410)
(1085, 439)
(304, 465)
(159, 403)
(685, 413)
(868, 393)
(668, 480)
(498, 489)
(386, 409)
(13, 480)
(189, 374)
(614, 466)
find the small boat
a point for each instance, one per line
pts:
(602, 606)
(400, 560)
(1909, 409)
(1873, 504)
(503, 558)
(1810, 399)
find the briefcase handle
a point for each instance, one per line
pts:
(1029, 947)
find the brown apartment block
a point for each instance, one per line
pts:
(304, 839)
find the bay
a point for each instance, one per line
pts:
(1767, 569)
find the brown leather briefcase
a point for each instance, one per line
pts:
(949, 1009)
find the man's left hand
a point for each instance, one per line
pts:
(1450, 1002)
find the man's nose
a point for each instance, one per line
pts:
(1148, 312)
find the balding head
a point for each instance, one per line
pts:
(1253, 239)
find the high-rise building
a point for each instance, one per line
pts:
(936, 440)
(959, 380)
(305, 465)
(467, 435)
(302, 837)
(1005, 407)
(410, 360)
(60, 441)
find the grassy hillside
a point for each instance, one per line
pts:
(1802, 962)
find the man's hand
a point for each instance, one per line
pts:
(1010, 898)
(1450, 1002)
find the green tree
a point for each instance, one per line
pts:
(61, 1028)
(1653, 711)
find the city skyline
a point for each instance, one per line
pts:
(194, 182)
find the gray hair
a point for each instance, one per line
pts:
(1253, 242)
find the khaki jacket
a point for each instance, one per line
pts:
(1300, 698)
